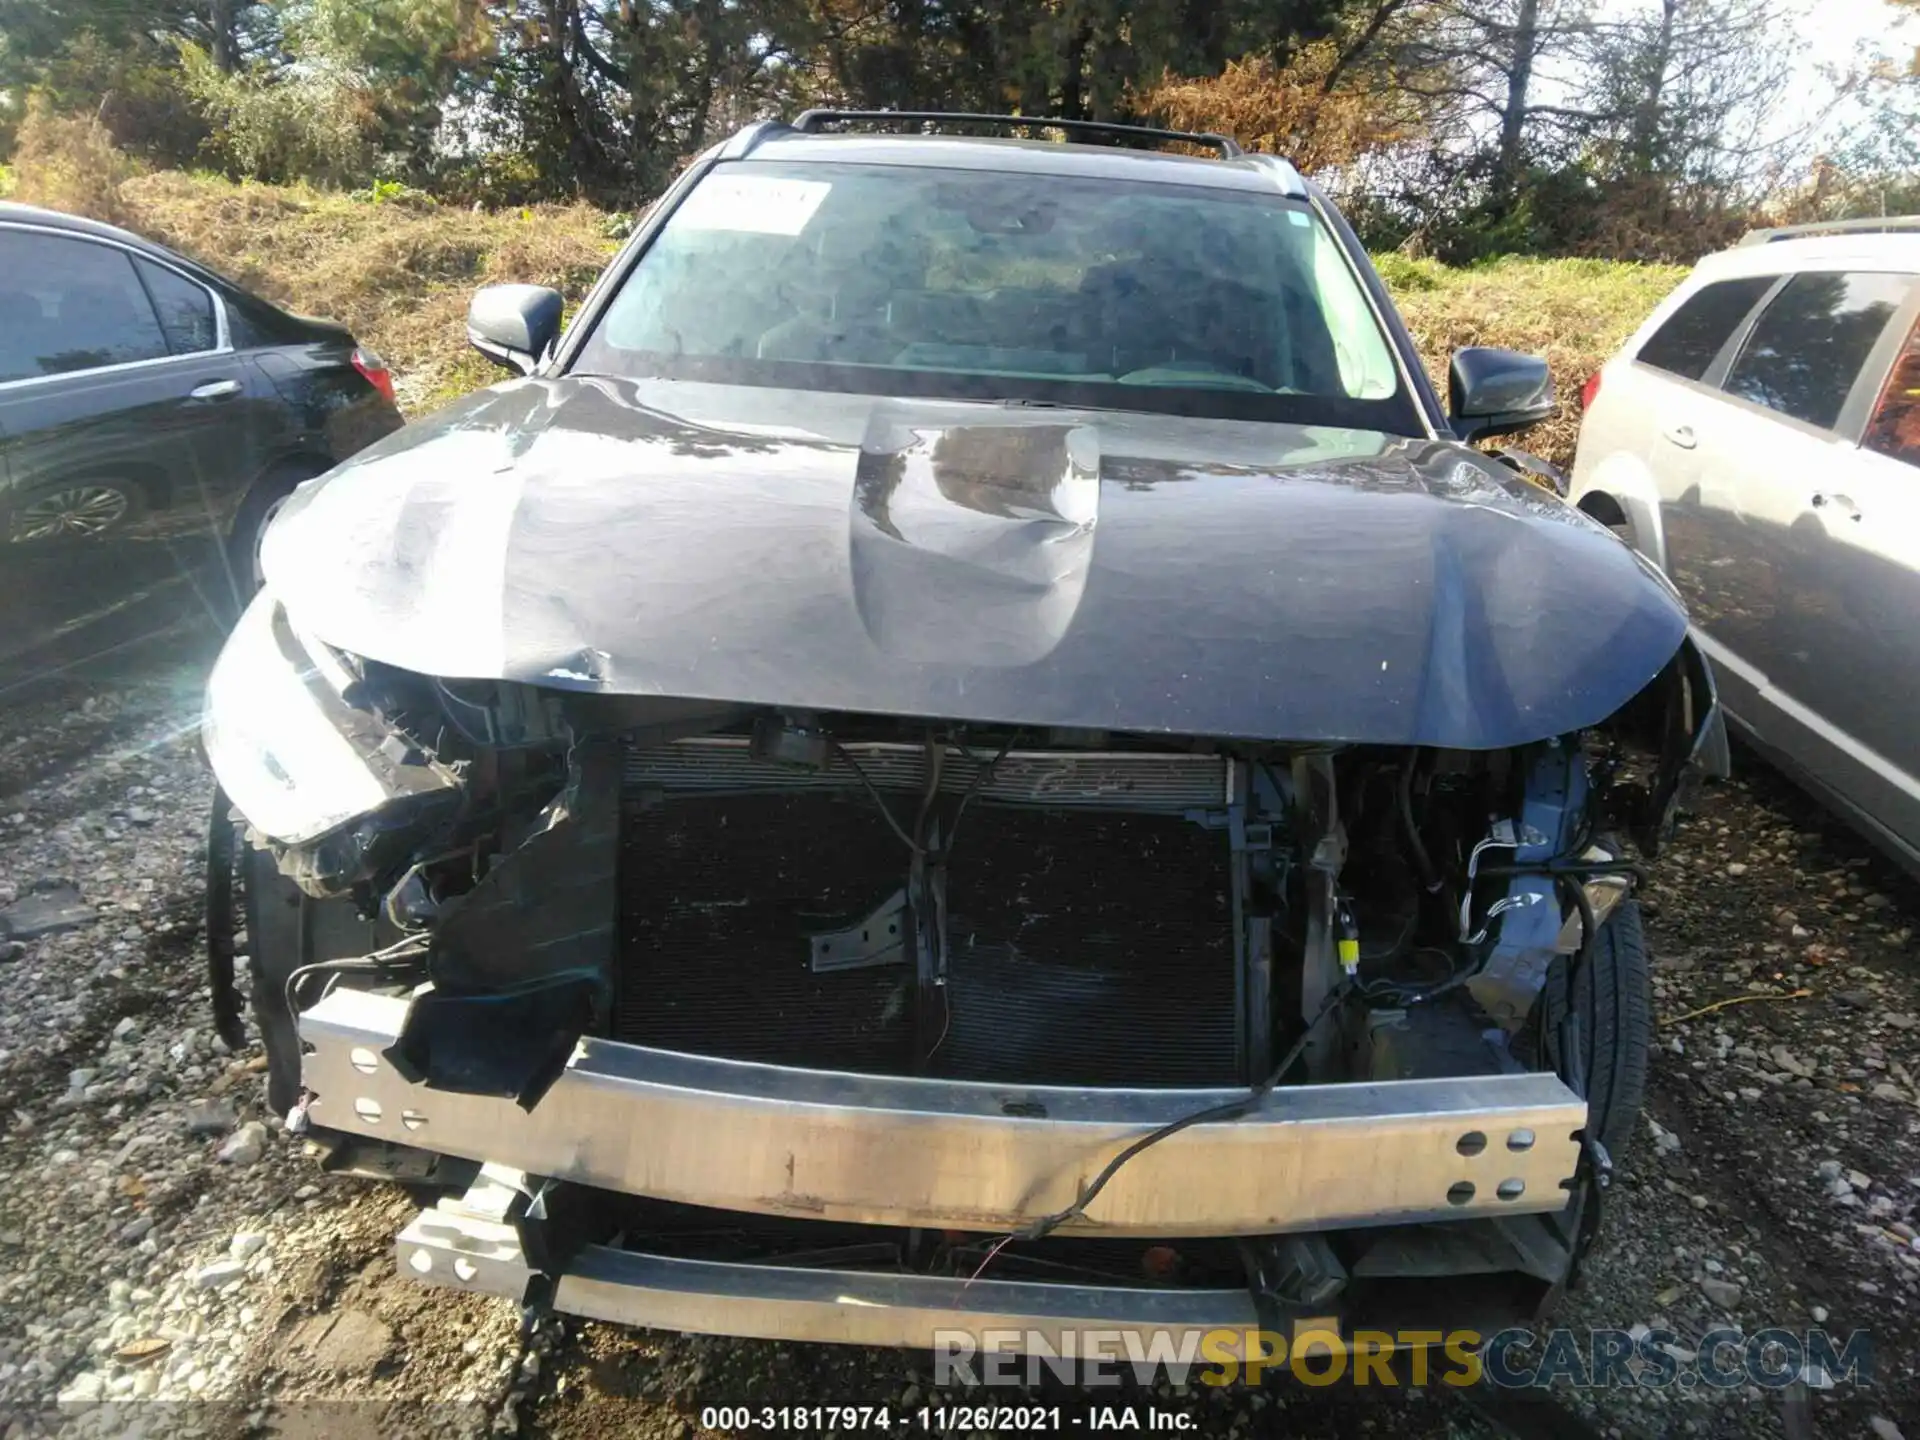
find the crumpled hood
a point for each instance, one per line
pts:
(1086, 569)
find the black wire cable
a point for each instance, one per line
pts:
(1566, 882)
(1399, 997)
(392, 960)
(880, 800)
(1230, 1110)
(981, 774)
(1422, 861)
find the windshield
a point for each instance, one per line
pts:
(975, 284)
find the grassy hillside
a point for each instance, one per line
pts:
(1574, 312)
(399, 270)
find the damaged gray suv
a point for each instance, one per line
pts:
(971, 747)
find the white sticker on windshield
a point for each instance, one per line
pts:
(759, 204)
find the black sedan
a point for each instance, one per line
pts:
(153, 417)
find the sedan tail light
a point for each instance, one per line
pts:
(1590, 391)
(375, 370)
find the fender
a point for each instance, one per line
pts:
(1624, 479)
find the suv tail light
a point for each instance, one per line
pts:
(375, 370)
(1590, 392)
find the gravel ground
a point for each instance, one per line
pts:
(162, 1238)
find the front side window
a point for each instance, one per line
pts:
(68, 304)
(1689, 339)
(1808, 345)
(1894, 428)
(890, 279)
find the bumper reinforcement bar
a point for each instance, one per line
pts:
(461, 1245)
(962, 1155)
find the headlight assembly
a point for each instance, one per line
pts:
(291, 754)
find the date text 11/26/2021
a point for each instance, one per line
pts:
(943, 1419)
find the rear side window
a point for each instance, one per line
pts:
(1686, 344)
(1894, 429)
(68, 305)
(186, 309)
(1808, 345)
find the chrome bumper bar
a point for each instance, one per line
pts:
(466, 1244)
(966, 1156)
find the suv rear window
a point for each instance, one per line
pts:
(1686, 344)
(1807, 347)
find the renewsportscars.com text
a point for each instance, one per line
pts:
(1316, 1353)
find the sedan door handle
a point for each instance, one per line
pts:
(215, 390)
(1682, 435)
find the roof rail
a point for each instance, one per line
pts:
(1885, 225)
(811, 122)
(743, 141)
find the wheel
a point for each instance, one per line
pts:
(263, 502)
(1605, 509)
(287, 929)
(82, 509)
(1614, 1002)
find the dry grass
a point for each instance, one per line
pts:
(68, 162)
(1574, 312)
(399, 272)
(400, 269)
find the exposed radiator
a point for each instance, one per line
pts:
(1088, 947)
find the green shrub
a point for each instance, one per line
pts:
(315, 123)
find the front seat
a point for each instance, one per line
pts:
(840, 290)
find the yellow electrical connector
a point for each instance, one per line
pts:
(1346, 932)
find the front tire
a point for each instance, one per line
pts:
(256, 513)
(1613, 998)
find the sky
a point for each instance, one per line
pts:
(1834, 36)
(1837, 35)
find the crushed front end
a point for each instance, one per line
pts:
(851, 1027)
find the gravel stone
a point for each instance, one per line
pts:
(245, 1146)
(1723, 1293)
(218, 1275)
(209, 1117)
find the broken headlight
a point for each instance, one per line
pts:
(279, 737)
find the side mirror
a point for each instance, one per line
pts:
(1496, 392)
(512, 325)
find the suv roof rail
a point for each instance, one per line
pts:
(1884, 225)
(743, 141)
(811, 122)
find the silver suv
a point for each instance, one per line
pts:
(1758, 439)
